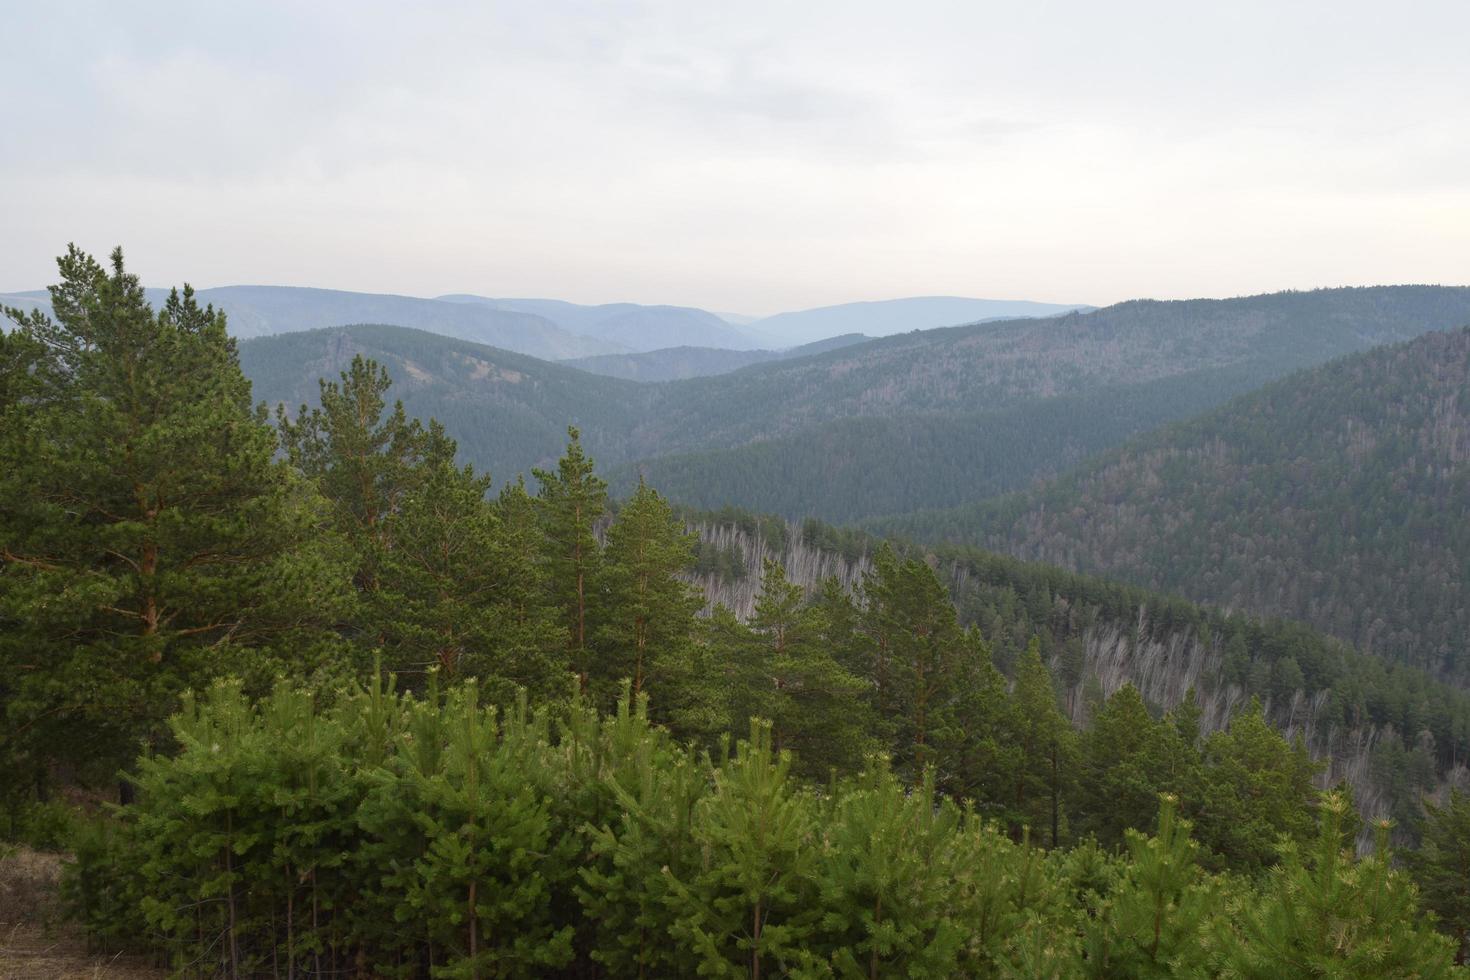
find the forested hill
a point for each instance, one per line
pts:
(324, 648)
(1393, 732)
(1339, 496)
(1118, 371)
(854, 468)
(993, 365)
(508, 411)
(675, 363)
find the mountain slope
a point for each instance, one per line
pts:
(1115, 372)
(629, 326)
(1339, 496)
(855, 468)
(676, 363)
(509, 411)
(882, 317)
(1390, 730)
(985, 367)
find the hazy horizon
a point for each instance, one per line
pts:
(754, 160)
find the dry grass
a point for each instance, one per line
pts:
(34, 943)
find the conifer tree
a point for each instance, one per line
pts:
(790, 677)
(1046, 744)
(151, 541)
(365, 463)
(450, 590)
(1441, 867)
(481, 885)
(916, 650)
(572, 501)
(520, 534)
(649, 611)
(1322, 913)
(885, 881)
(1257, 792)
(977, 759)
(441, 580)
(1127, 760)
(627, 889)
(749, 909)
(1151, 925)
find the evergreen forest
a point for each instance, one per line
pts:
(303, 693)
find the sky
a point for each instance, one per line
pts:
(745, 157)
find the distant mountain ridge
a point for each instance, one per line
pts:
(261, 311)
(1339, 496)
(879, 318)
(676, 363)
(628, 326)
(555, 329)
(921, 420)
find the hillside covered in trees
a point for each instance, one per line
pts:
(347, 684)
(855, 432)
(677, 363)
(1339, 497)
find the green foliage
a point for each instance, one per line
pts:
(1441, 867)
(1151, 924)
(431, 837)
(1257, 792)
(572, 502)
(649, 621)
(1334, 497)
(157, 538)
(1323, 913)
(1128, 760)
(1046, 744)
(785, 672)
(747, 907)
(151, 540)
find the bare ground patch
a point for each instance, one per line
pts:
(35, 942)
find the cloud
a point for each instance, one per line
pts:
(753, 156)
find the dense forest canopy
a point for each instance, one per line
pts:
(925, 419)
(1339, 497)
(348, 682)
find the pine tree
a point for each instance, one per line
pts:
(365, 463)
(1441, 867)
(1151, 924)
(749, 909)
(1321, 913)
(450, 590)
(917, 648)
(521, 539)
(1257, 792)
(1046, 744)
(637, 855)
(573, 500)
(1127, 760)
(649, 619)
(151, 539)
(885, 881)
(481, 887)
(977, 759)
(789, 677)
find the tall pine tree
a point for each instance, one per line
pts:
(573, 500)
(151, 539)
(649, 618)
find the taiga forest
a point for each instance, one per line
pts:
(408, 602)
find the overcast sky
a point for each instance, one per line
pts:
(747, 157)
